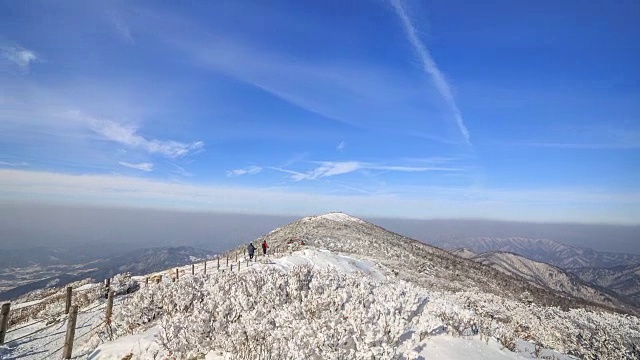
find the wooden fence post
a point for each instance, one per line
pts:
(227, 259)
(146, 280)
(68, 304)
(107, 288)
(109, 308)
(193, 269)
(71, 332)
(205, 267)
(177, 274)
(218, 261)
(4, 322)
(231, 267)
(236, 255)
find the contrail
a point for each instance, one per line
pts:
(431, 67)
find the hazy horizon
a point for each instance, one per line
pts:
(29, 225)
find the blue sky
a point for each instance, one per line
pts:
(439, 109)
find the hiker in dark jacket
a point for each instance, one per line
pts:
(264, 247)
(251, 249)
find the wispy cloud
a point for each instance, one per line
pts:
(333, 168)
(251, 170)
(127, 135)
(140, 166)
(327, 169)
(431, 67)
(123, 30)
(179, 170)
(341, 146)
(359, 95)
(13, 164)
(18, 55)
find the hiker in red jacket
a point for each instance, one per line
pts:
(264, 247)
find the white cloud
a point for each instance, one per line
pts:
(18, 55)
(127, 135)
(571, 204)
(9, 163)
(431, 67)
(141, 166)
(341, 146)
(251, 170)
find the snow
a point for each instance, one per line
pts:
(86, 287)
(448, 347)
(53, 282)
(324, 259)
(336, 216)
(143, 346)
(25, 304)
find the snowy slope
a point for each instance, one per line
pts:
(353, 291)
(624, 280)
(312, 304)
(541, 274)
(463, 253)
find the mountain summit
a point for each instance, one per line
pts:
(427, 265)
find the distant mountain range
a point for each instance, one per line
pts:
(543, 250)
(142, 261)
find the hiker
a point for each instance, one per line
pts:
(264, 247)
(251, 249)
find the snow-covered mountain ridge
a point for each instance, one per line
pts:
(541, 274)
(624, 280)
(543, 250)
